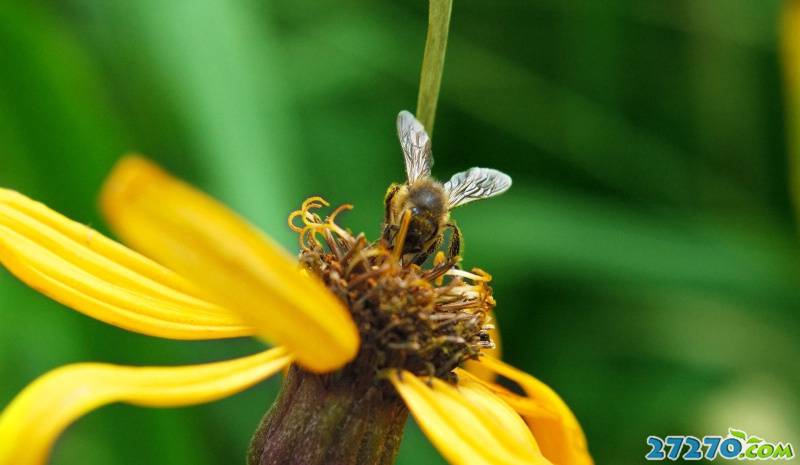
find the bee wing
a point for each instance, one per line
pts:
(475, 184)
(416, 146)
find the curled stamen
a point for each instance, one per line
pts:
(451, 289)
(461, 305)
(304, 213)
(341, 232)
(476, 275)
(292, 216)
(411, 346)
(462, 292)
(310, 233)
(314, 202)
(364, 256)
(339, 209)
(366, 276)
(436, 274)
(359, 243)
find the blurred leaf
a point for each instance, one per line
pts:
(580, 238)
(55, 107)
(231, 93)
(736, 22)
(597, 142)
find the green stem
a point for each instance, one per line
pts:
(433, 61)
(333, 419)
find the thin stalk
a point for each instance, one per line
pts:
(433, 61)
(791, 71)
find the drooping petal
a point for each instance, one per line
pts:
(244, 270)
(555, 427)
(39, 414)
(467, 423)
(84, 270)
(790, 60)
(474, 366)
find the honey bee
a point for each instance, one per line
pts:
(421, 206)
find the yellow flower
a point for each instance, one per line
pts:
(207, 274)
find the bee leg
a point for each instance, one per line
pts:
(389, 233)
(389, 228)
(387, 203)
(421, 257)
(455, 242)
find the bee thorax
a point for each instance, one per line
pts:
(427, 198)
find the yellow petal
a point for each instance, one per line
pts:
(790, 41)
(522, 405)
(467, 423)
(555, 427)
(88, 272)
(790, 44)
(474, 366)
(238, 266)
(39, 414)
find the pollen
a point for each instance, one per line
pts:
(427, 319)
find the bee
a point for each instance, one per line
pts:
(421, 206)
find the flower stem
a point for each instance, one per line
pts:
(433, 61)
(330, 419)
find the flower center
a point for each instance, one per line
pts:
(424, 319)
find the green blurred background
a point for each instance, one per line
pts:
(645, 261)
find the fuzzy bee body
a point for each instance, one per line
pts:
(428, 202)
